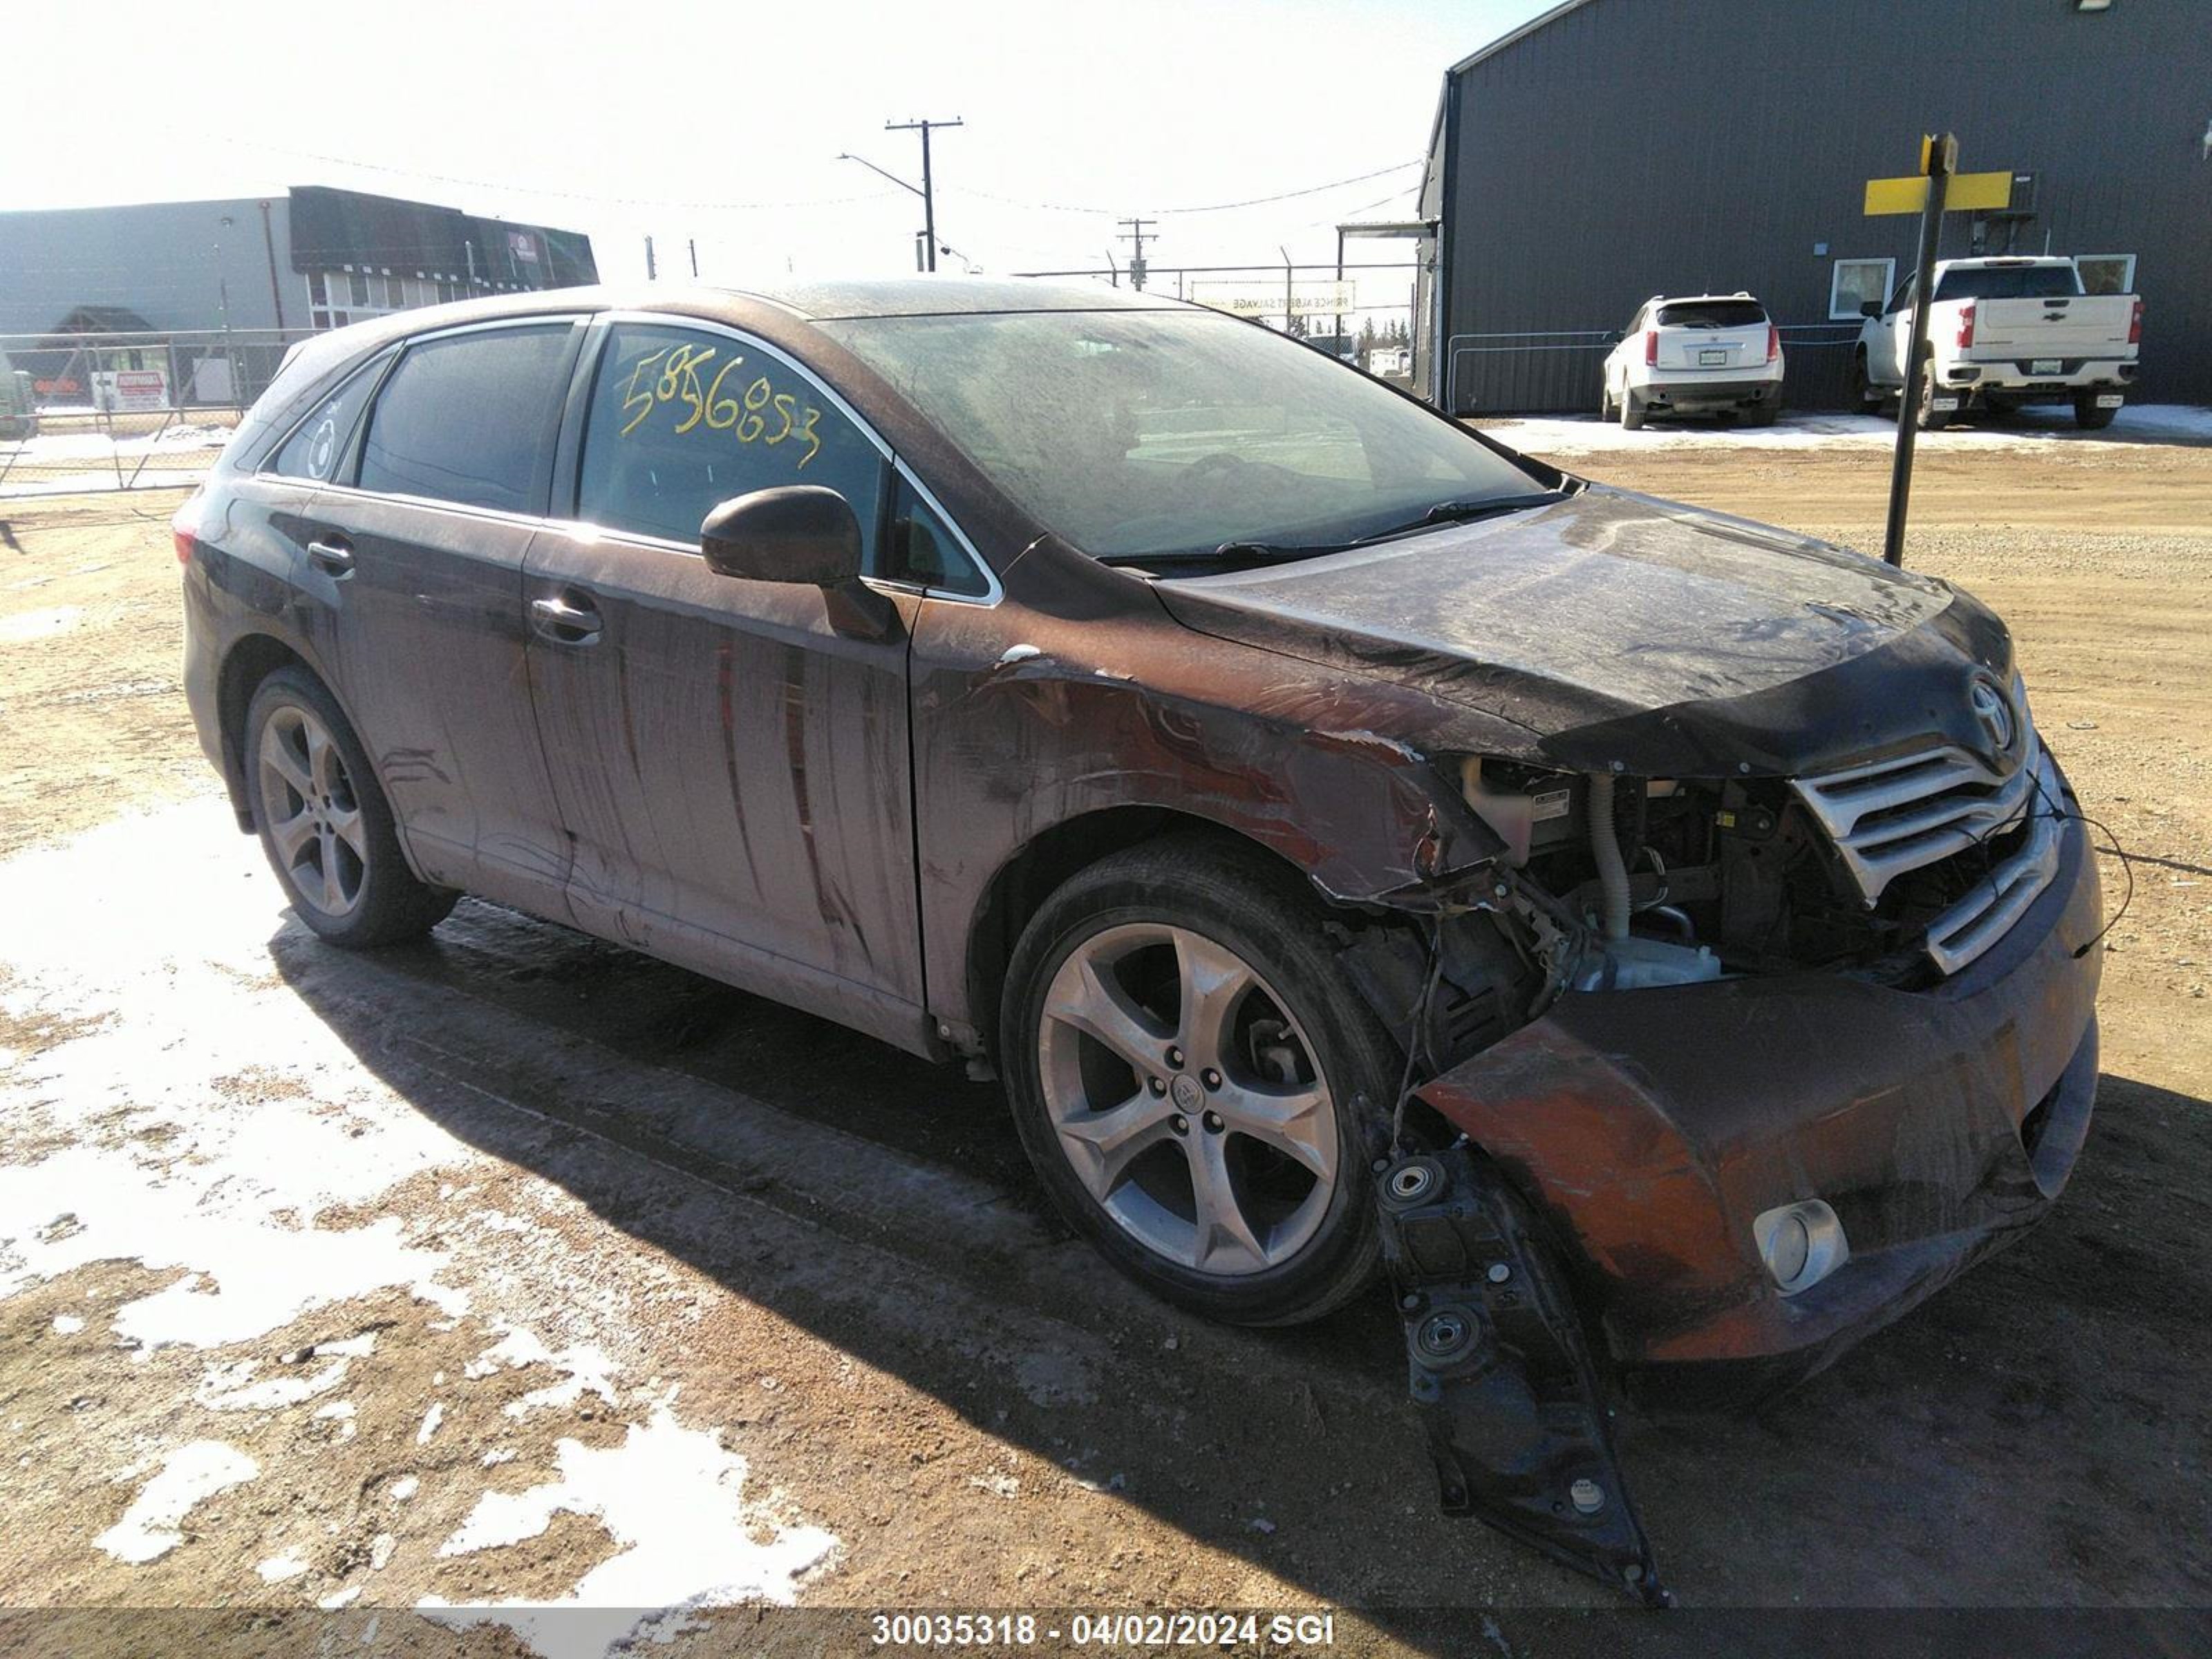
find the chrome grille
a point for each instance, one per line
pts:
(1986, 915)
(1890, 817)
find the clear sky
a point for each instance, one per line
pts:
(628, 117)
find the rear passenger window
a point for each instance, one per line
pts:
(318, 444)
(469, 418)
(681, 420)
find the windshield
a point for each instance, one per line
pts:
(2008, 283)
(1132, 433)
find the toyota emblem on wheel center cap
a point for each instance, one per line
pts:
(1993, 710)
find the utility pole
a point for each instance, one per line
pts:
(692, 242)
(1136, 234)
(928, 189)
(652, 270)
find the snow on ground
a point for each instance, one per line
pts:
(651, 1494)
(272, 1197)
(149, 1528)
(1585, 435)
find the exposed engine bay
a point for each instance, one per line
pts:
(1895, 872)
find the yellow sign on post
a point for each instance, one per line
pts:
(1970, 193)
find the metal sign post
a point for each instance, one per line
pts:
(1940, 160)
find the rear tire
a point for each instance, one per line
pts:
(324, 822)
(1198, 1087)
(1931, 418)
(1632, 410)
(2087, 415)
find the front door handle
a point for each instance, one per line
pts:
(565, 623)
(331, 553)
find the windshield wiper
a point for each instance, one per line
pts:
(1249, 554)
(1244, 553)
(1466, 511)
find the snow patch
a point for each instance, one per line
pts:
(226, 1388)
(67, 1324)
(151, 1526)
(279, 1568)
(2032, 428)
(431, 1419)
(672, 1500)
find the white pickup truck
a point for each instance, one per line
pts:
(2003, 332)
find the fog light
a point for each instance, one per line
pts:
(1801, 1243)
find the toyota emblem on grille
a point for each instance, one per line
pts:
(1994, 710)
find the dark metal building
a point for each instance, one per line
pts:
(1613, 150)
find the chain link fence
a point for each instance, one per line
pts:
(84, 413)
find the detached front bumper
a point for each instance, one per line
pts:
(1652, 1126)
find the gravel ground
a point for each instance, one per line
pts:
(511, 1268)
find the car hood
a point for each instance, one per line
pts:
(1621, 631)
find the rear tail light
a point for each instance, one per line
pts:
(1651, 345)
(1773, 342)
(2134, 325)
(184, 529)
(1965, 326)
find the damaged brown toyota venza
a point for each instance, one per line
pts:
(1660, 943)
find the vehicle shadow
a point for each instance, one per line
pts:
(2017, 1439)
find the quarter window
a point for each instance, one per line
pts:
(924, 550)
(469, 418)
(681, 420)
(1857, 281)
(317, 446)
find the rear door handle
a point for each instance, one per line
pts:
(333, 553)
(565, 623)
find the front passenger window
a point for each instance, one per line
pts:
(681, 420)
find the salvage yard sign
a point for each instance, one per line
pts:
(1262, 300)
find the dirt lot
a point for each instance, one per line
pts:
(511, 1267)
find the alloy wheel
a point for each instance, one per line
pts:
(1185, 1097)
(312, 815)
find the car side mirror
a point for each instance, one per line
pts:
(1869, 307)
(801, 534)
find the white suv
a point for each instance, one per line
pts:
(1705, 354)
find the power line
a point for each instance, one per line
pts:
(1214, 207)
(555, 195)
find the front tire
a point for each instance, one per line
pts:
(324, 822)
(1198, 1087)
